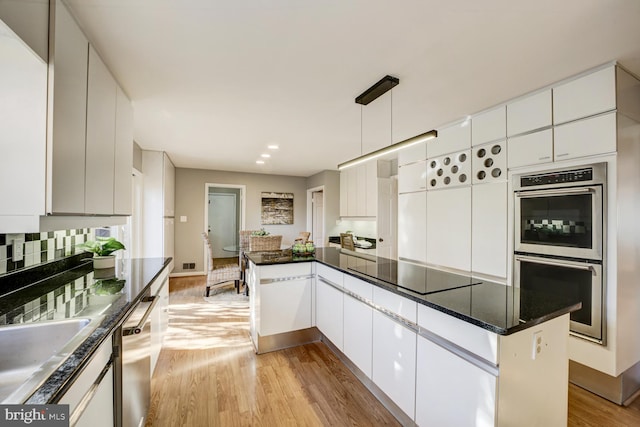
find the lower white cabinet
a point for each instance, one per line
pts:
(489, 229)
(329, 312)
(159, 317)
(358, 331)
(451, 391)
(394, 361)
(89, 406)
(285, 306)
(412, 228)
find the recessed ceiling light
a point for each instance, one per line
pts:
(266, 156)
(260, 162)
(273, 147)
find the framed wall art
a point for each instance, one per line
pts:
(277, 208)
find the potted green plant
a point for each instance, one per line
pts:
(103, 249)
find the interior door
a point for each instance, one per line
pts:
(318, 218)
(222, 223)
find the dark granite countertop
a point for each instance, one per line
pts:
(489, 305)
(78, 293)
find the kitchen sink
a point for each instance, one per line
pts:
(30, 353)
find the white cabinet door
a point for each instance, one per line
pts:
(450, 139)
(530, 149)
(449, 228)
(159, 318)
(69, 115)
(489, 229)
(592, 94)
(489, 126)
(285, 306)
(360, 194)
(123, 155)
(100, 142)
(451, 391)
(412, 227)
(394, 361)
(169, 184)
(99, 412)
(413, 153)
(412, 177)
(530, 113)
(352, 190)
(588, 137)
(344, 190)
(358, 333)
(329, 313)
(371, 188)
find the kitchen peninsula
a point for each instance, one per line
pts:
(436, 347)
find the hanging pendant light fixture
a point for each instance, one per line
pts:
(382, 86)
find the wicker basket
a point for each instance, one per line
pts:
(265, 243)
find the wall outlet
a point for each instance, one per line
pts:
(538, 345)
(185, 265)
(192, 266)
(189, 266)
(17, 240)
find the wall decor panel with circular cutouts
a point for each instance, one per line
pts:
(451, 170)
(490, 162)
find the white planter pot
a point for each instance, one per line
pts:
(108, 261)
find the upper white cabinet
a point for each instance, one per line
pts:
(412, 177)
(100, 141)
(450, 245)
(68, 115)
(359, 190)
(123, 155)
(450, 139)
(30, 21)
(592, 94)
(530, 149)
(489, 229)
(489, 126)
(159, 188)
(414, 153)
(595, 135)
(530, 113)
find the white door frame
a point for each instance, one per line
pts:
(243, 208)
(310, 192)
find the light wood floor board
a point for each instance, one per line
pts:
(209, 375)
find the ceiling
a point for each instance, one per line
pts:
(214, 82)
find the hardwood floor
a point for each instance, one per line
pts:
(209, 375)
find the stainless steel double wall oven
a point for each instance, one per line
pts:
(560, 227)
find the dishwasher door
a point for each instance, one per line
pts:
(134, 377)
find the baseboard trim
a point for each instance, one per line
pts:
(188, 273)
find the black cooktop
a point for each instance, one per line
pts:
(415, 278)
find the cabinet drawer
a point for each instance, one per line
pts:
(358, 287)
(530, 149)
(530, 113)
(596, 135)
(284, 270)
(489, 126)
(412, 177)
(470, 337)
(397, 304)
(330, 274)
(414, 153)
(585, 96)
(450, 139)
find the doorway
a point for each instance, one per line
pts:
(224, 218)
(315, 216)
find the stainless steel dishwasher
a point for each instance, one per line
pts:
(133, 369)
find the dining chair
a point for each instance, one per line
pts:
(265, 243)
(304, 236)
(245, 236)
(346, 241)
(221, 274)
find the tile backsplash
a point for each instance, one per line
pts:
(41, 247)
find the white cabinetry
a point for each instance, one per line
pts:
(450, 139)
(159, 316)
(412, 227)
(595, 135)
(394, 349)
(530, 149)
(412, 177)
(358, 324)
(489, 126)
(68, 115)
(285, 304)
(359, 190)
(414, 153)
(452, 391)
(99, 411)
(489, 229)
(588, 95)
(530, 113)
(100, 141)
(329, 308)
(449, 228)
(123, 155)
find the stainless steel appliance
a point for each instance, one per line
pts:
(559, 250)
(561, 212)
(133, 373)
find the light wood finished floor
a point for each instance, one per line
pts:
(209, 375)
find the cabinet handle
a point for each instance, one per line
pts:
(545, 158)
(562, 155)
(138, 328)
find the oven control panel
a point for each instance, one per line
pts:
(564, 177)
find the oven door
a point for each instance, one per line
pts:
(566, 222)
(565, 279)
